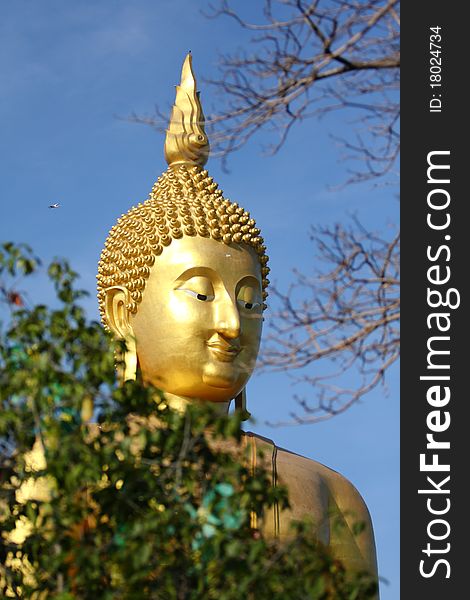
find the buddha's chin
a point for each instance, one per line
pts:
(223, 376)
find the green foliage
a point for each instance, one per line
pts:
(143, 502)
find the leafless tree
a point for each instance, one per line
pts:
(311, 58)
(308, 58)
(345, 319)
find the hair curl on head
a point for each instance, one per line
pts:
(184, 201)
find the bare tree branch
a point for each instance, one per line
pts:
(312, 57)
(346, 316)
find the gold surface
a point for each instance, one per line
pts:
(328, 499)
(186, 141)
(198, 327)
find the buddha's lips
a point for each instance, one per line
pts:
(223, 351)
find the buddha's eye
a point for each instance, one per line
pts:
(202, 297)
(249, 298)
(199, 288)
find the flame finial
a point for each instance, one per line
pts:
(186, 140)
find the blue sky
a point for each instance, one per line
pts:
(69, 70)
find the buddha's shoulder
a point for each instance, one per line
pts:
(287, 458)
(292, 466)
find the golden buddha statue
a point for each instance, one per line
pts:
(182, 279)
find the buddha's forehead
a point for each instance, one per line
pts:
(229, 261)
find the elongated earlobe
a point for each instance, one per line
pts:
(240, 405)
(117, 318)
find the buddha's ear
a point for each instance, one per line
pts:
(240, 405)
(117, 319)
(117, 313)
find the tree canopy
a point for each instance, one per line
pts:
(105, 492)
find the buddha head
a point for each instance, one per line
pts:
(182, 276)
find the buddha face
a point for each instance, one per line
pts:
(198, 327)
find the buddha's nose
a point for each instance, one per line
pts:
(227, 318)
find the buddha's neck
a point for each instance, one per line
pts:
(179, 403)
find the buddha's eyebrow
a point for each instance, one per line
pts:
(197, 272)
